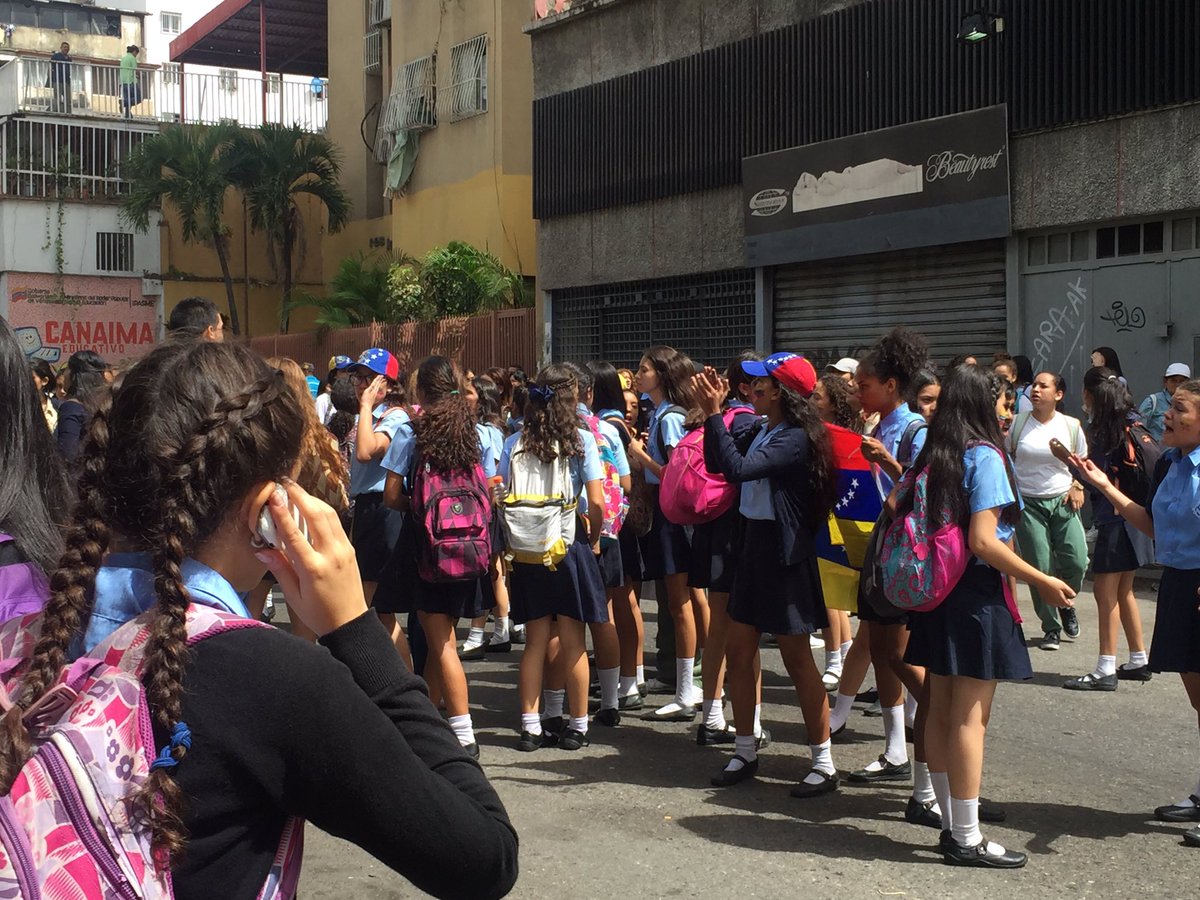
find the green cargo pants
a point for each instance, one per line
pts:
(1050, 538)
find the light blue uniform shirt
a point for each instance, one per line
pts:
(1176, 512)
(583, 468)
(985, 480)
(1152, 410)
(889, 432)
(399, 457)
(125, 590)
(756, 502)
(672, 432)
(369, 477)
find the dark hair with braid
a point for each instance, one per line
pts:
(193, 429)
(445, 430)
(552, 424)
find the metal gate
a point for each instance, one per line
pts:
(953, 295)
(710, 317)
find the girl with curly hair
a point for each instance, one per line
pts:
(446, 437)
(569, 596)
(177, 467)
(786, 471)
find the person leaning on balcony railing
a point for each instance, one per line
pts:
(131, 91)
(59, 78)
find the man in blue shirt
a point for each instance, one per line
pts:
(1155, 406)
(311, 379)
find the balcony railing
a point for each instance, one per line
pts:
(68, 158)
(30, 85)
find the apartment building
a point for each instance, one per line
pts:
(434, 121)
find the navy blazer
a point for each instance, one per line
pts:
(784, 461)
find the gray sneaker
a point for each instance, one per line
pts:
(1050, 641)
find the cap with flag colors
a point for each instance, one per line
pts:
(381, 362)
(337, 363)
(789, 369)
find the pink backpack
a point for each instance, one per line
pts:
(689, 493)
(64, 827)
(454, 513)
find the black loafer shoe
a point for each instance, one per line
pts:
(1137, 673)
(1179, 813)
(609, 717)
(827, 785)
(551, 730)
(474, 654)
(1090, 682)
(980, 857)
(571, 739)
(472, 750)
(529, 742)
(887, 772)
(709, 737)
(726, 778)
(945, 840)
(630, 701)
(502, 647)
(1192, 837)
(917, 813)
(871, 695)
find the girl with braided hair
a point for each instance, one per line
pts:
(176, 468)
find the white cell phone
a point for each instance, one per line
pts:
(266, 525)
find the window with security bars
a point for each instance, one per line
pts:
(468, 78)
(172, 22)
(228, 80)
(710, 317)
(114, 251)
(418, 98)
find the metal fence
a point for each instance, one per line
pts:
(505, 338)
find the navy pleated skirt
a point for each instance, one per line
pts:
(972, 633)
(1176, 644)
(770, 596)
(374, 532)
(575, 588)
(402, 589)
(716, 546)
(666, 547)
(1114, 551)
(612, 572)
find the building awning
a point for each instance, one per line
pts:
(297, 37)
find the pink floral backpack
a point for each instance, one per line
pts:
(616, 504)
(65, 830)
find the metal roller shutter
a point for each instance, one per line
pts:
(953, 295)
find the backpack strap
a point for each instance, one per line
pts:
(618, 423)
(1020, 420)
(904, 450)
(659, 440)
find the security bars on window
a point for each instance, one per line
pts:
(468, 78)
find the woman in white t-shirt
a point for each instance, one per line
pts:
(1050, 534)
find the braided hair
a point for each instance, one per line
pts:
(194, 428)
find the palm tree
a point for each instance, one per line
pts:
(189, 168)
(276, 165)
(359, 294)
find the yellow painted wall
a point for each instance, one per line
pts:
(84, 47)
(354, 239)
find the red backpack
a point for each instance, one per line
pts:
(453, 511)
(689, 493)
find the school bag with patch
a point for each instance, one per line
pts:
(538, 513)
(453, 512)
(919, 563)
(616, 505)
(689, 493)
(65, 824)
(1136, 472)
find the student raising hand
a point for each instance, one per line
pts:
(710, 390)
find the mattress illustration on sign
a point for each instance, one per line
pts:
(855, 184)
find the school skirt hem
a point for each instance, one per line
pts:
(403, 590)
(631, 555)
(666, 548)
(772, 597)
(972, 634)
(612, 572)
(714, 553)
(1113, 551)
(574, 589)
(1176, 643)
(374, 533)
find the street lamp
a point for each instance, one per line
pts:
(979, 26)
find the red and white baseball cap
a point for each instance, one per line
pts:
(789, 369)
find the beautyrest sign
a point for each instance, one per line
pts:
(940, 181)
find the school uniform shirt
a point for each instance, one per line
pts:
(369, 477)
(985, 479)
(890, 431)
(399, 456)
(583, 468)
(1152, 410)
(1039, 474)
(491, 439)
(671, 429)
(1175, 509)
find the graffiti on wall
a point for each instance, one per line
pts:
(1124, 318)
(1059, 333)
(108, 315)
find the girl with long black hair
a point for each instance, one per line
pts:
(43, 380)
(87, 375)
(1115, 557)
(786, 470)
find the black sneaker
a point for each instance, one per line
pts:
(1070, 622)
(708, 737)
(609, 717)
(1090, 682)
(1134, 673)
(981, 857)
(887, 771)
(572, 739)
(1050, 641)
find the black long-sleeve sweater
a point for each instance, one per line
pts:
(346, 738)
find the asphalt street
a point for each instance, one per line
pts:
(633, 814)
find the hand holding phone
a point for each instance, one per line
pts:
(266, 525)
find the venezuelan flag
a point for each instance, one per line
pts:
(842, 543)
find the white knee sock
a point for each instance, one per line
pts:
(463, 730)
(833, 661)
(500, 633)
(941, 790)
(1105, 665)
(552, 703)
(531, 722)
(714, 715)
(896, 749)
(965, 827)
(627, 685)
(841, 711)
(922, 784)
(609, 679)
(758, 720)
(580, 724)
(822, 761)
(743, 746)
(684, 685)
(910, 710)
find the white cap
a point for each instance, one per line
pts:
(847, 365)
(1177, 369)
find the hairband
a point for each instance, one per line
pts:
(454, 393)
(1110, 378)
(541, 393)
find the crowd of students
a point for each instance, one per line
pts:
(400, 505)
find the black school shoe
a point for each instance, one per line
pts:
(472, 750)
(980, 857)
(630, 701)
(1137, 673)
(888, 772)
(552, 729)
(827, 785)
(528, 742)
(917, 813)
(1179, 813)
(572, 739)
(1090, 682)
(728, 779)
(609, 717)
(709, 737)
(1192, 837)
